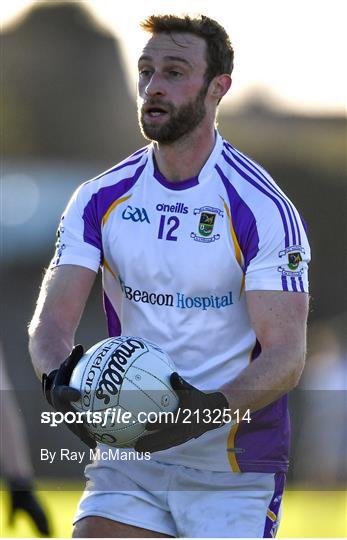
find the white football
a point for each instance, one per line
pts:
(124, 374)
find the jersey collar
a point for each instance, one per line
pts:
(204, 174)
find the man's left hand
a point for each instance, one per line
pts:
(206, 413)
(60, 395)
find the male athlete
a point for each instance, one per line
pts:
(202, 253)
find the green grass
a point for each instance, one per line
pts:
(306, 514)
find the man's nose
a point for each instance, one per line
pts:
(155, 86)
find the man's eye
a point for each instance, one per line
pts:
(144, 72)
(174, 73)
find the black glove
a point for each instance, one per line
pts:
(60, 395)
(23, 498)
(209, 407)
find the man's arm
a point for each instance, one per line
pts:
(279, 320)
(60, 305)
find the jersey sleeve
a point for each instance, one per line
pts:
(280, 262)
(78, 234)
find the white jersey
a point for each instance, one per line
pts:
(177, 259)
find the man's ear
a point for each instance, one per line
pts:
(219, 86)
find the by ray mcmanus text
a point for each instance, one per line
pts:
(109, 454)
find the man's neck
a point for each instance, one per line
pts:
(185, 158)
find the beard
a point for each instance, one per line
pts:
(181, 120)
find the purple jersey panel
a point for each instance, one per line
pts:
(243, 221)
(113, 322)
(263, 444)
(99, 204)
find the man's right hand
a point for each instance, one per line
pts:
(60, 395)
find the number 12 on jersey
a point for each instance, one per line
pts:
(167, 227)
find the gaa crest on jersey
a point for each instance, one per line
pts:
(135, 214)
(206, 224)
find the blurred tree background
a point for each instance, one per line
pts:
(68, 115)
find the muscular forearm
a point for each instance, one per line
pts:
(276, 371)
(48, 346)
(58, 311)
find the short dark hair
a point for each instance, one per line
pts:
(220, 53)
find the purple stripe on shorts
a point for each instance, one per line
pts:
(271, 525)
(292, 279)
(99, 204)
(244, 221)
(252, 168)
(260, 188)
(284, 283)
(113, 322)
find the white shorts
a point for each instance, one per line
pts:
(183, 502)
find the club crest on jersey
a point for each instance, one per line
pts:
(206, 224)
(294, 255)
(294, 259)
